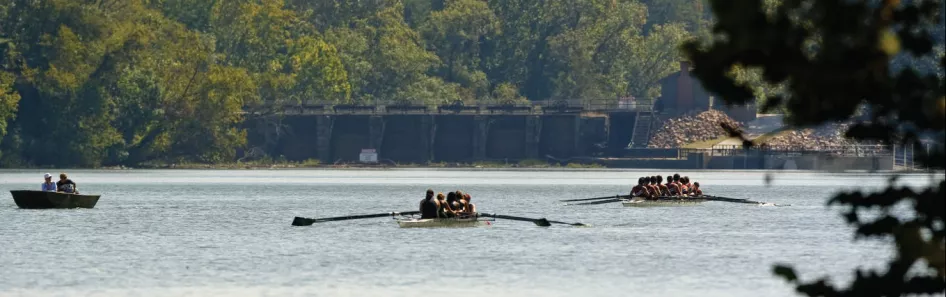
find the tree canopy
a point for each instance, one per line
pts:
(879, 64)
(120, 82)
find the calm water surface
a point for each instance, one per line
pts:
(228, 233)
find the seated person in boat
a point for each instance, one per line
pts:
(639, 190)
(651, 183)
(696, 192)
(664, 191)
(468, 207)
(673, 189)
(49, 185)
(66, 185)
(685, 185)
(429, 207)
(444, 210)
(453, 199)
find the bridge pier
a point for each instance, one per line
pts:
(323, 134)
(480, 136)
(406, 138)
(561, 136)
(375, 132)
(533, 132)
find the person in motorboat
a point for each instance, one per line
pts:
(49, 185)
(66, 185)
(696, 192)
(429, 206)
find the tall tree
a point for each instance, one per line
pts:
(833, 58)
(457, 34)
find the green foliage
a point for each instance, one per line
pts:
(832, 59)
(127, 82)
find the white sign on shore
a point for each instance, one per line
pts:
(369, 156)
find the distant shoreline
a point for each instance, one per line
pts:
(437, 167)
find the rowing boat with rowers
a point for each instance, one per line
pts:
(407, 219)
(662, 201)
(464, 222)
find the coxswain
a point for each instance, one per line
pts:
(429, 207)
(639, 190)
(696, 192)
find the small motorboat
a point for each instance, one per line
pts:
(42, 199)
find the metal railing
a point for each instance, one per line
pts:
(856, 150)
(397, 107)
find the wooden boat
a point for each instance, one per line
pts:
(40, 199)
(661, 201)
(413, 222)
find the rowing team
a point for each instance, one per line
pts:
(454, 204)
(676, 186)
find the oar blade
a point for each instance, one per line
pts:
(300, 221)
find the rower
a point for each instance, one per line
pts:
(696, 190)
(685, 185)
(429, 206)
(639, 190)
(676, 181)
(664, 190)
(452, 200)
(674, 190)
(654, 190)
(457, 205)
(444, 210)
(468, 208)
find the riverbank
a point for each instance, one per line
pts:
(315, 164)
(606, 164)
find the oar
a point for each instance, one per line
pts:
(538, 222)
(734, 200)
(598, 202)
(300, 221)
(599, 198)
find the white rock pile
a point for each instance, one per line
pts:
(676, 132)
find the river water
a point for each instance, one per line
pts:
(228, 233)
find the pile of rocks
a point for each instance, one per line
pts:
(680, 131)
(825, 138)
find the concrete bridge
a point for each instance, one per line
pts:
(452, 133)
